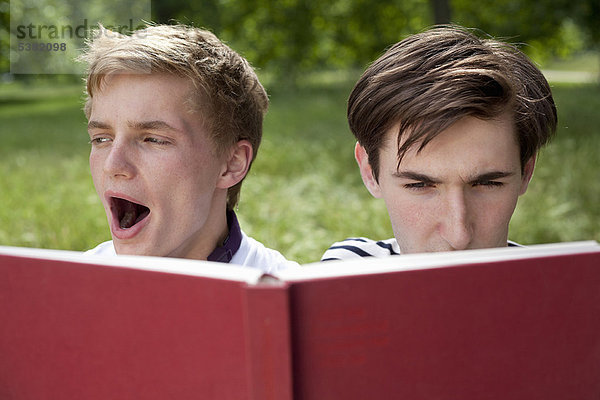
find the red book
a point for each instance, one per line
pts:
(514, 323)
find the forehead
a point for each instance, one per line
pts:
(147, 97)
(146, 89)
(469, 142)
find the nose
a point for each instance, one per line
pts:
(455, 226)
(119, 161)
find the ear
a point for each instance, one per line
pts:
(236, 165)
(366, 172)
(527, 174)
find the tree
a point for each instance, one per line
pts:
(288, 37)
(441, 11)
(587, 15)
(541, 24)
(4, 37)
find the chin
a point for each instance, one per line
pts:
(131, 250)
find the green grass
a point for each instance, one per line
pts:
(587, 62)
(46, 191)
(563, 200)
(304, 190)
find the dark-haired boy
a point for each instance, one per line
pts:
(448, 127)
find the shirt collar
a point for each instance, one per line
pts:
(225, 252)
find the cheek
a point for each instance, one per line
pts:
(495, 213)
(96, 163)
(191, 165)
(190, 182)
(407, 213)
(93, 159)
(172, 174)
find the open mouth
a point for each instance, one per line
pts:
(128, 213)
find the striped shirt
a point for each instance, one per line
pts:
(361, 247)
(353, 248)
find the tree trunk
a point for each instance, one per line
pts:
(441, 11)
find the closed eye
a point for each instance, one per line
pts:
(416, 186)
(490, 180)
(417, 182)
(489, 184)
(156, 140)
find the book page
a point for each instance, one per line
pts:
(199, 268)
(372, 265)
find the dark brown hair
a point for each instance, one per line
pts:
(430, 80)
(224, 88)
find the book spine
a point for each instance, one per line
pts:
(268, 342)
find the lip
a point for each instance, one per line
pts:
(115, 228)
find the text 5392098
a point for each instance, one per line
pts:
(37, 46)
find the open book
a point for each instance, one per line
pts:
(510, 323)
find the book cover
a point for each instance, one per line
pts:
(518, 323)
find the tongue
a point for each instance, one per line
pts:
(128, 219)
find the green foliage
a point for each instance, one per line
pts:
(289, 38)
(562, 200)
(304, 190)
(46, 193)
(546, 26)
(4, 36)
(587, 14)
(293, 36)
(47, 35)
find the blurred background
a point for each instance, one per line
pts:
(304, 191)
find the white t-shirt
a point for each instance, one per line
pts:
(250, 254)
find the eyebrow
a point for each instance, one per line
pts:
(97, 125)
(152, 125)
(491, 176)
(415, 176)
(140, 126)
(488, 176)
